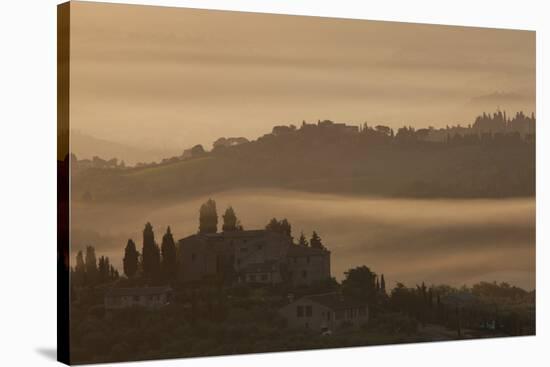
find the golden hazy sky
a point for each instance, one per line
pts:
(173, 77)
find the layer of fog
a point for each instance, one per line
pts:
(409, 240)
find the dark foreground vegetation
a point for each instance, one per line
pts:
(214, 317)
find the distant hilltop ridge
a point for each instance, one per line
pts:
(492, 158)
(497, 123)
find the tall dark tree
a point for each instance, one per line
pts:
(168, 251)
(79, 274)
(359, 284)
(230, 221)
(383, 284)
(91, 266)
(273, 225)
(113, 273)
(104, 269)
(315, 241)
(302, 240)
(131, 258)
(286, 228)
(208, 217)
(150, 253)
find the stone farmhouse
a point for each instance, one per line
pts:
(323, 312)
(148, 297)
(252, 256)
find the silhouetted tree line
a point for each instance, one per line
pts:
(497, 308)
(88, 271)
(211, 319)
(156, 264)
(487, 128)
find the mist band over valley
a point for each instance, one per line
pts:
(453, 205)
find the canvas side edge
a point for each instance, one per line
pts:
(63, 183)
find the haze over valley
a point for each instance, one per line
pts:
(411, 240)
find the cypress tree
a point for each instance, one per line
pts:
(131, 258)
(80, 269)
(302, 240)
(101, 269)
(286, 228)
(168, 249)
(315, 241)
(229, 220)
(208, 217)
(91, 266)
(150, 252)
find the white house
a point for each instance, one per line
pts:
(324, 312)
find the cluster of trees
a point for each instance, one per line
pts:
(284, 227)
(499, 122)
(208, 219)
(96, 162)
(314, 241)
(407, 162)
(238, 319)
(497, 307)
(364, 285)
(160, 263)
(493, 125)
(280, 226)
(155, 263)
(208, 223)
(89, 271)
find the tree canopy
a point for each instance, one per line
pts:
(131, 259)
(208, 217)
(169, 261)
(282, 226)
(315, 241)
(150, 252)
(230, 221)
(360, 284)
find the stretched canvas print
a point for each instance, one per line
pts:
(235, 183)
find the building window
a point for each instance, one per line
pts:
(252, 277)
(136, 298)
(304, 274)
(259, 246)
(300, 311)
(244, 249)
(329, 315)
(362, 311)
(264, 277)
(193, 256)
(307, 259)
(339, 315)
(309, 311)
